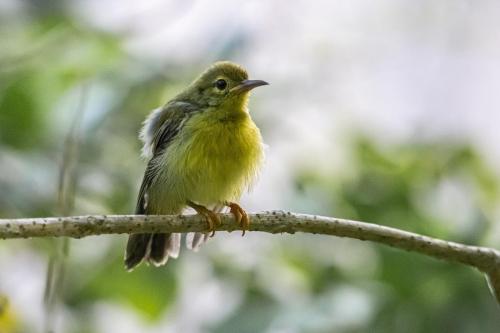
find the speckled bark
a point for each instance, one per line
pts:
(484, 259)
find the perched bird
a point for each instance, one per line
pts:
(204, 151)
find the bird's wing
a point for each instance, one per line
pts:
(159, 129)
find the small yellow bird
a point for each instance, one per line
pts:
(204, 150)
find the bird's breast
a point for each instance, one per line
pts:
(217, 159)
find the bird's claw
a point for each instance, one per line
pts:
(212, 219)
(240, 216)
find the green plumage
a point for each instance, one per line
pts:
(203, 147)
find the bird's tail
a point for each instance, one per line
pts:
(155, 248)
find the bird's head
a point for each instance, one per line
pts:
(222, 84)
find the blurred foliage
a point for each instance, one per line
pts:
(150, 292)
(388, 186)
(8, 321)
(302, 283)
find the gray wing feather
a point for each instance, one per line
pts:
(159, 129)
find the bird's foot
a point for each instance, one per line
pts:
(240, 215)
(213, 219)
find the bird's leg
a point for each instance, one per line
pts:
(240, 215)
(213, 220)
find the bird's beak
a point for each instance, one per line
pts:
(248, 85)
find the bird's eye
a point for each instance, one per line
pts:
(221, 84)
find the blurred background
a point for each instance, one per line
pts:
(383, 111)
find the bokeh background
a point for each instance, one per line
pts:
(383, 111)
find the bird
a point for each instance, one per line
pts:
(204, 151)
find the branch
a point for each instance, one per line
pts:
(487, 260)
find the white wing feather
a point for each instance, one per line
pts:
(148, 131)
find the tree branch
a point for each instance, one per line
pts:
(487, 260)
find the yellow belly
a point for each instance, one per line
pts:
(211, 161)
